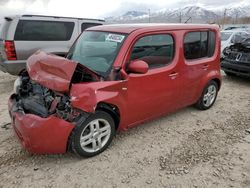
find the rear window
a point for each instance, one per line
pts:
(87, 25)
(199, 45)
(29, 30)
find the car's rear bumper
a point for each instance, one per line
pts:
(236, 68)
(40, 135)
(12, 67)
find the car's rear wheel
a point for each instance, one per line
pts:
(208, 96)
(94, 135)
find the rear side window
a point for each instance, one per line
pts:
(156, 50)
(87, 25)
(29, 30)
(199, 44)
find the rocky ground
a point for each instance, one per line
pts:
(189, 148)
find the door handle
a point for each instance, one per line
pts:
(173, 75)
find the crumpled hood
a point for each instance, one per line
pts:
(51, 71)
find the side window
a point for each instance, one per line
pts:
(156, 50)
(199, 44)
(211, 43)
(34, 30)
(87, 25)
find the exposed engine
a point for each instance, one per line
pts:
(33, 98)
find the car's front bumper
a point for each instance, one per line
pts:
(40, 135)
(12, 67)
(235, 68)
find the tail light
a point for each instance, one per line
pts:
(10, 50)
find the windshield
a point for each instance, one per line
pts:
(97, 50)
(225, 35)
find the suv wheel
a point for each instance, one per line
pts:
(208, 96)
(94, 135)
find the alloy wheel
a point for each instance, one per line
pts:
(95, 135)
(210, 95)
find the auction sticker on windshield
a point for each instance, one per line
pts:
(115, 38)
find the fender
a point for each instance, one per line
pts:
(86, 96)
(215, 74)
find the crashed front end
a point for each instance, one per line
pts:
(237, 59)
(40, 107)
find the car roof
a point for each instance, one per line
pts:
(129, 28)
(234, 31)
(11, 17)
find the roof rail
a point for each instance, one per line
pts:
(8, 19)
(32, 15)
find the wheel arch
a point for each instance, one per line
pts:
(218, 81)
(211, 76)
(112, 110)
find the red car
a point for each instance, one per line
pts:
(113, 78)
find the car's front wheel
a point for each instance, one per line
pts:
(94, 135)
(208, 96)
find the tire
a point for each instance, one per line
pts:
(206, 100)
(229, 73)
(94, 135)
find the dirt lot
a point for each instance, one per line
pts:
(189, 148)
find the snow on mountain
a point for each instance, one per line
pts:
(134, 14)
(241, 11)
(195, 14)
(128, 16)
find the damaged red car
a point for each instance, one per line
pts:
(113, 78)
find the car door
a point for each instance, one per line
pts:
(156, 92)
(199, 47)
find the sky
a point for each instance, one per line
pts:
(100, 8)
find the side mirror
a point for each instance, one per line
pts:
(138, 66)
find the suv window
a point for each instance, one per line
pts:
(34, 30)
(156, 50)
(199, 44)
(87, 25)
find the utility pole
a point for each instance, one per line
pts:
(224, 17)
(236, 17)
(148, 15)
(180, 17)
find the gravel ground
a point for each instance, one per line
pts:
(189, 148)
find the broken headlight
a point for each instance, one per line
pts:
(17, 84)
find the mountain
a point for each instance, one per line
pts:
(240, 11)
(134, 14)
(128, 17)
(194, 14)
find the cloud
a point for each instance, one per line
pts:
(98, 8)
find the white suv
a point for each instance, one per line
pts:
(21, 36)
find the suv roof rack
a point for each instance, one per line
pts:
(33, 15)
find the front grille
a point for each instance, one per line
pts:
(238, 57)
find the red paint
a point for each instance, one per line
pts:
(51, 71)
(10, 50)
(138, 66)
(41, 135)
(139, 97)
